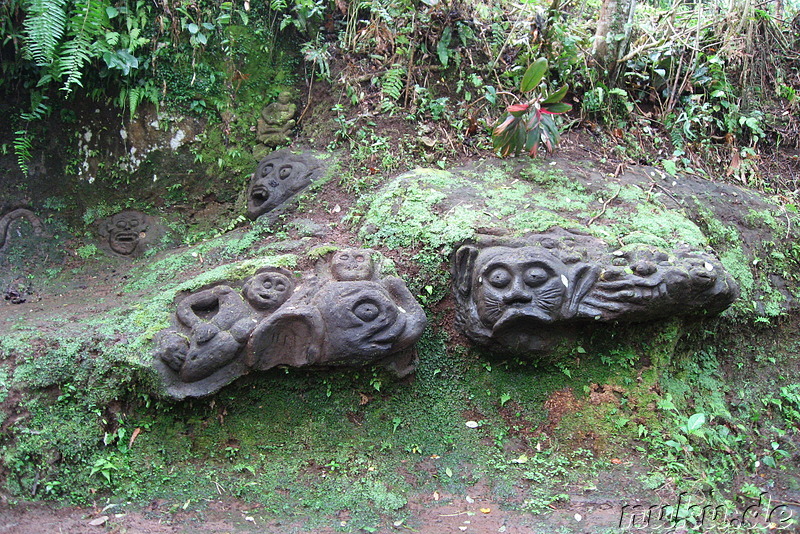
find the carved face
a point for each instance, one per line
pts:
(268, 290)
(361, 318)
(277, 178)
(124, 230)
(518, 284)
(351, 264)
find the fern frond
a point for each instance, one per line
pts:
(43, 28)
(22, 148)
(86, 24)
(392, 82)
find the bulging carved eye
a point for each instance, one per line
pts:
(267, 284)
(121, 224)
(285, 172)
(266, 170)
(280, 286)
(360, 258)
(367, 310)
(344, 257)
(499, 277)
(536, 276)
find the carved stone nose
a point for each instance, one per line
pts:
(517, 295)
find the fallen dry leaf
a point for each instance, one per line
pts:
(99, 521)
(364, 399)
(435, 495)
(134, 436)
(485, 510)
(616, 461)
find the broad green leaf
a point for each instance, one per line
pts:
(533, 75)
(442, 49)
(552, 98)
(193, 28)
(202, 39)
(695, 422)
(558, 107)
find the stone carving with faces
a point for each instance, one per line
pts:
(124, 230)
(522, 294)
(343, 314)
(350, 264)
(278, 177)
(130, 233)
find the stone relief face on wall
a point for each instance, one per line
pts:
(519, 294)
(221, 333)
(278, 177)
(130, 232)
(124, 230)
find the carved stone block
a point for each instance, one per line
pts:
(521, 294)
(278, 177)
(129, 232)
(344, 313)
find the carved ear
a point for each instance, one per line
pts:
(463, 263)
(582, 279)
(293, 337)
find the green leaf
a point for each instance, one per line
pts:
(442, 47)
(448, 472)
(558, 107)
(193, 28)
(202, 39)
(695, 422)
(670, 166)
(556, 96)
(533, 75)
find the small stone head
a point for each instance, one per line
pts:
(268, 289)
(513, 284)
(124, 230)
(285, 97)
(279, 176)
(349, 265)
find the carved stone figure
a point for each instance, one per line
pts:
(276, 121)
(521, 294)
(343, 314)
(13, 215)
(129, 232)
(278, 177)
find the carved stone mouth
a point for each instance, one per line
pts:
(527, 315)
(260, 194)
(126, 237)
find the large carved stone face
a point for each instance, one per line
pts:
(124, 230)
(352, 264)
(267, 290)
(518, 284)
(277, 177)
(361, 318)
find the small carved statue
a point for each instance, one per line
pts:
(345, 314)
(278, 177)
(130, 232)
(521, 294)
(276, 121)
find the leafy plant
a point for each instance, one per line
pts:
(532, 123)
